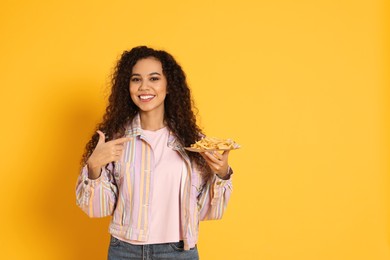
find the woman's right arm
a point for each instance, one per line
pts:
(96, 197)
(96, 190)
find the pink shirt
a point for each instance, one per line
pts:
(165, 201)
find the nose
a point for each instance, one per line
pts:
(143, 85)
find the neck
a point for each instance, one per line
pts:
(151, 120)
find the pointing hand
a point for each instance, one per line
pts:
(104, 153)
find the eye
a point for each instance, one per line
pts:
(154, 78)
(135, 79)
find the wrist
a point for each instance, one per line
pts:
(226, 176)
(93, 170)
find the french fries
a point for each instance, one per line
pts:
(213, 143)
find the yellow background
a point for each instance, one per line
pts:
(301, 85)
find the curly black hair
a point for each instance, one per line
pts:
(178, 105)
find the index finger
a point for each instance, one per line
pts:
(121, 140)
(217, 155)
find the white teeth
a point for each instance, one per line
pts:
(145, 97)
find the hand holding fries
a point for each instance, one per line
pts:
(217, 161)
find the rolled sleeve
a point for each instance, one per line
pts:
(96, 197)
(215, 197)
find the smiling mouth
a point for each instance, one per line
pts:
(146, 98)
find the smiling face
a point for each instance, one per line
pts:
(148, 86)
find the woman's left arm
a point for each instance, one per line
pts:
(215, 194)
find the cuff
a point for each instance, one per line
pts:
(90, 182)
(227, 176)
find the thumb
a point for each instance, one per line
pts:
(102, 137)
(225, 153)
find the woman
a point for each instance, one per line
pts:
(136, 168)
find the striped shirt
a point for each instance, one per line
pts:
(124, 191)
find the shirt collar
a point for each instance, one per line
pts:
(134, 129)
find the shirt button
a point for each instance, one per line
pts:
(219, 183)
(86, 182)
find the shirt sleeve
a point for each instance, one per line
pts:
(214, 197)
(97, 198)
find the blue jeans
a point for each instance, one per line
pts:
(120, 250)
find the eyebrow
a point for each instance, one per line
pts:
(150, 74)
